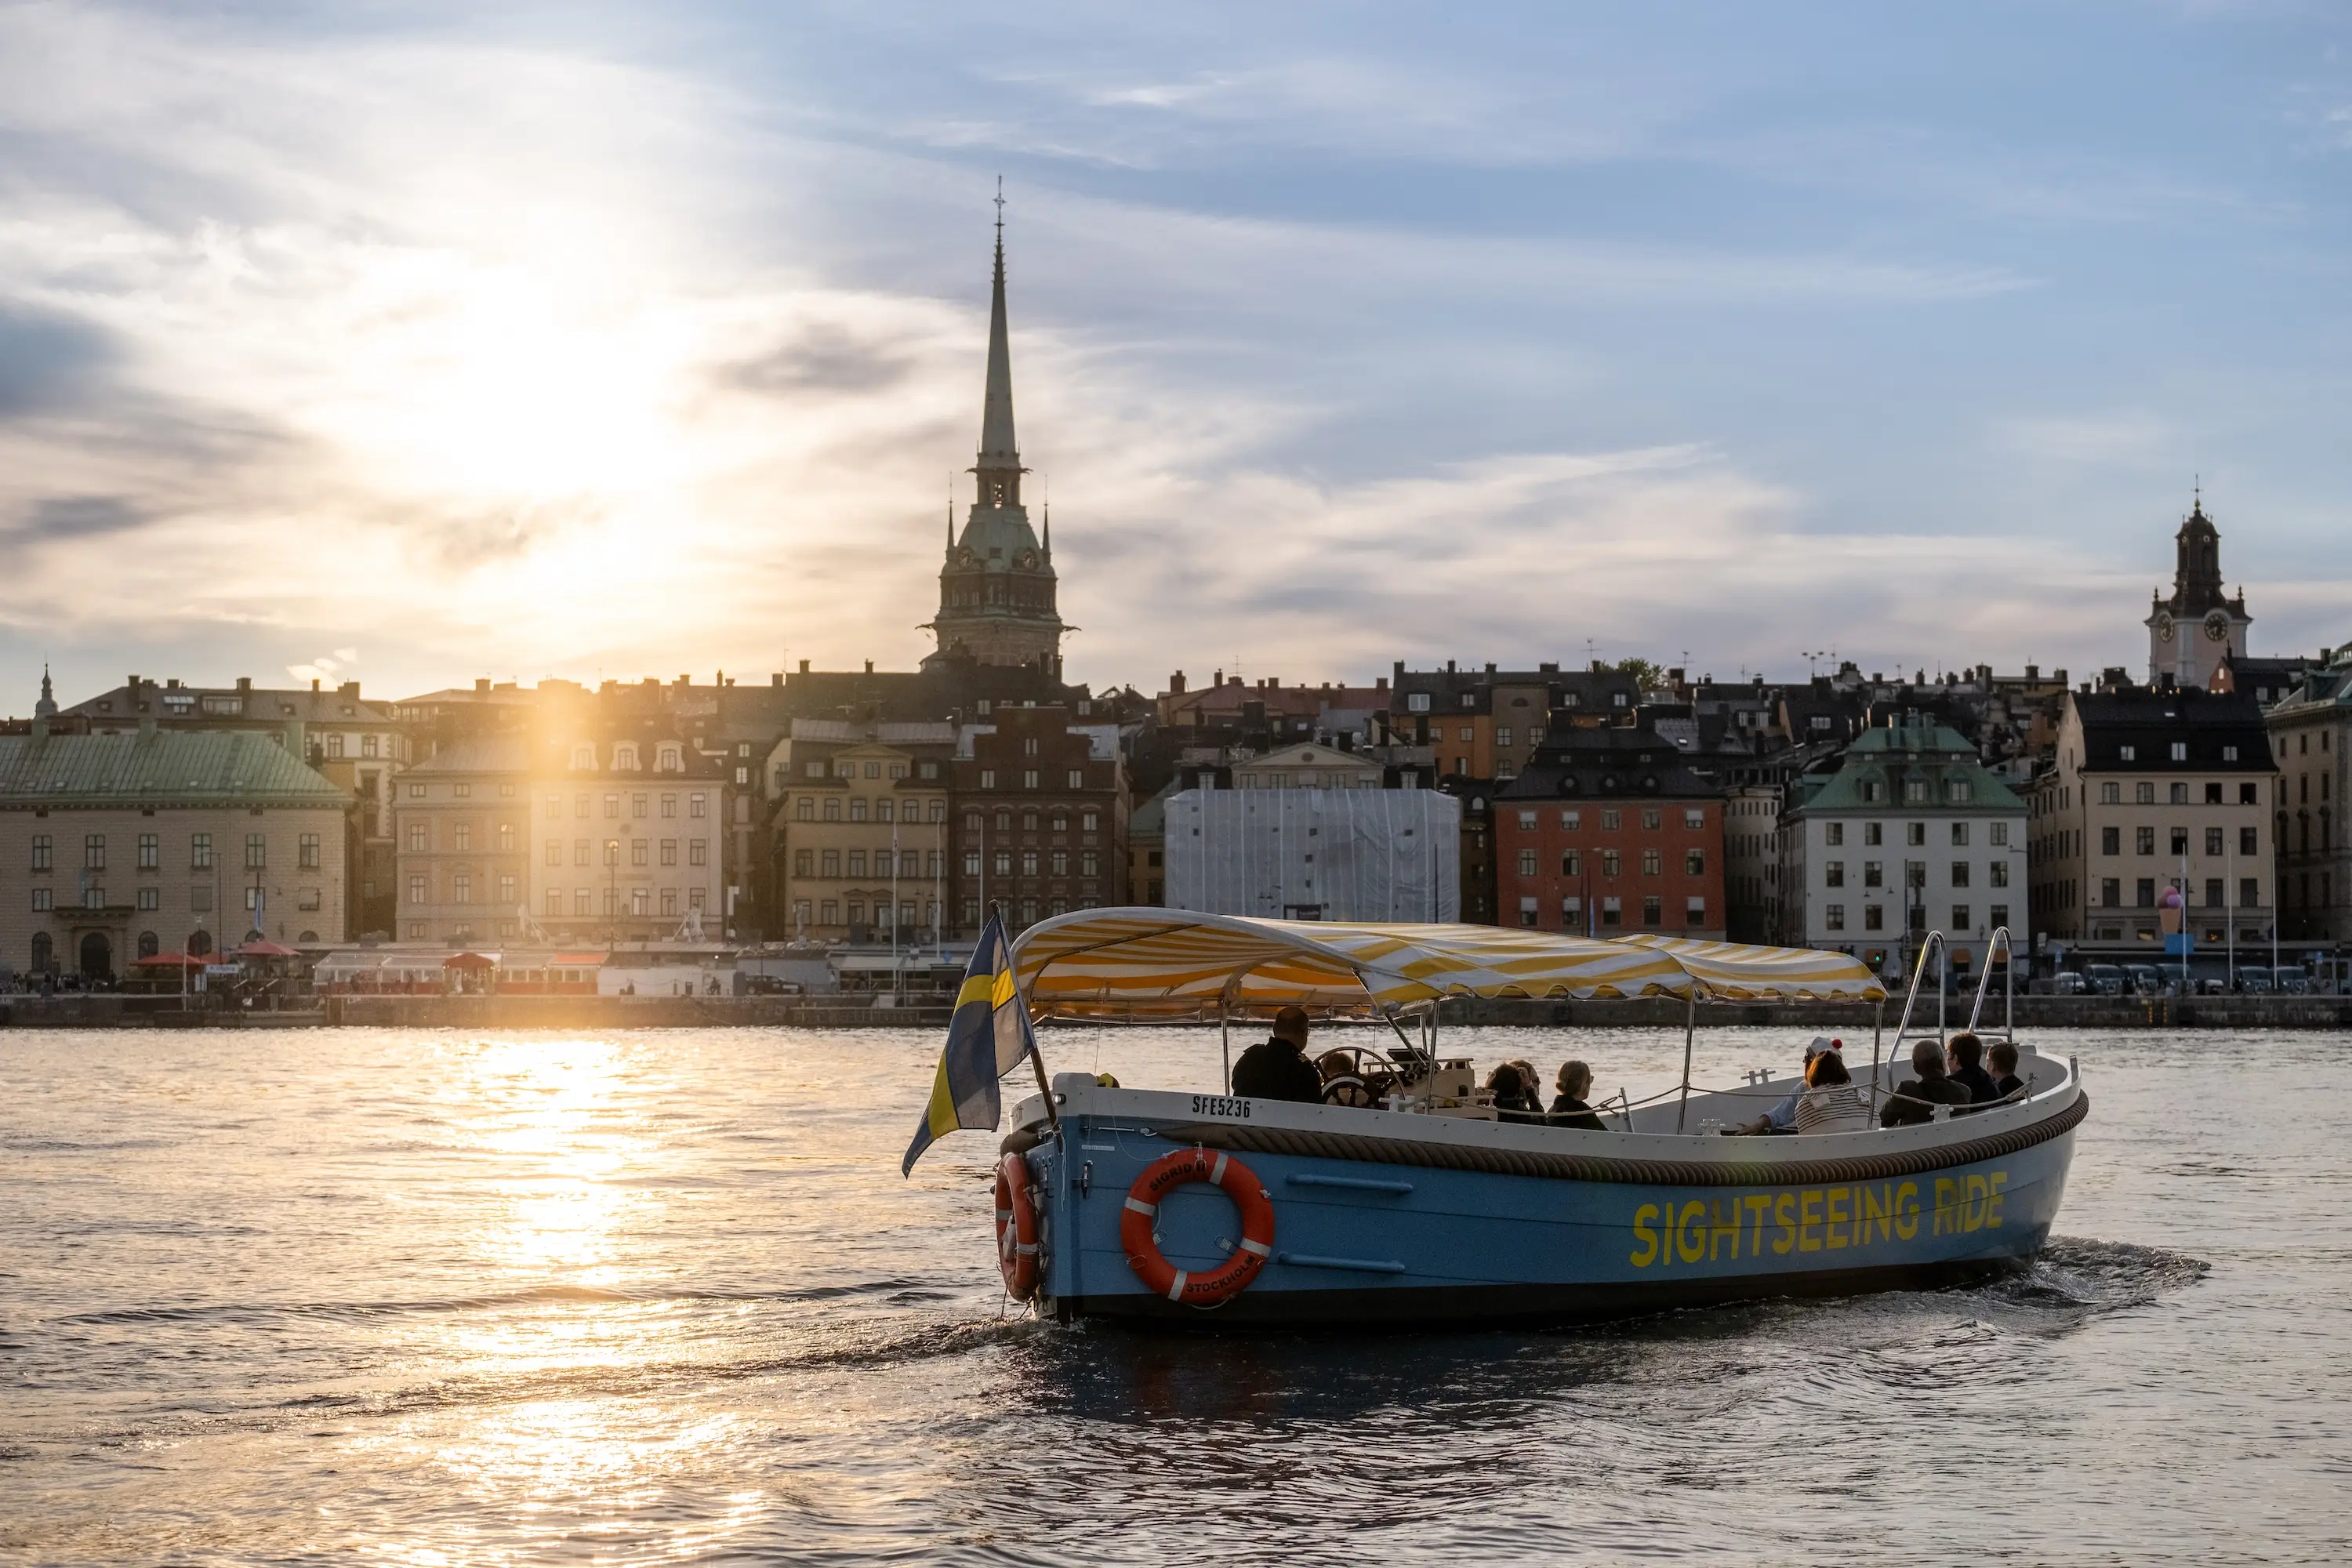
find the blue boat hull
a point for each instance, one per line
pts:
(1458, 1231)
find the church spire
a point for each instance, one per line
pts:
(1000, 455)
(46, 707)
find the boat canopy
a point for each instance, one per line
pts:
(1176, 963)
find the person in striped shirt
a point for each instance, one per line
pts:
(1830, 1103)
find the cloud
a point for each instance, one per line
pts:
(55, 518)
(48, 360)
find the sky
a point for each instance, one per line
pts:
(417, 343)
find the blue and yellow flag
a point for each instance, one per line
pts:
(986, 1040)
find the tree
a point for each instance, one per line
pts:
(1647, 676)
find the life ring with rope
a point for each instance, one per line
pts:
(1181, 1169)
(1016, 1227)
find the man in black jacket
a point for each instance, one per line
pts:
(1278, 1069)
(1966, 1065)
(1915, 1100)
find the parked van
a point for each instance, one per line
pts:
(2255, 980)
(2104, 979)
(2145, 979)
(2067, 983)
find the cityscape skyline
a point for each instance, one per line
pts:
(677, 406)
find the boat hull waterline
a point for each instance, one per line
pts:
(1394, 1218)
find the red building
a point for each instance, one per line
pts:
(1609, 832)
(1040, 813)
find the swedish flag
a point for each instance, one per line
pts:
(986, 1040)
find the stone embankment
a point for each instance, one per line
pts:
(117, 1012)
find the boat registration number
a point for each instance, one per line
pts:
(1218, 1105)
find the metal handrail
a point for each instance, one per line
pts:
(2002, 944)
(1935, 945)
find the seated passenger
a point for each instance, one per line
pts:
(1510, 1091)
(1344, 1082)
(1575, 1083)
(1782, 1118)
(1966, 1067)
(1530, 1085)
(1278, 1069)
(1831, 1102)
(1915, 1100)
(2002, 1057)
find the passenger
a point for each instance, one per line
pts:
(1831, 1102)
(2002, 1057)
(1530, 1085)
(1511, 1092)
(1915, 1100)
(1967, 1067)
(1569, 1109)
(1782, 1118)
(1278, 1069)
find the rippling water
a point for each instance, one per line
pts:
(436, 1297)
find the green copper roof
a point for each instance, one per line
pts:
(164, 767)
(1910, 768)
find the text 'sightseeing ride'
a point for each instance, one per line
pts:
(1403, 1199)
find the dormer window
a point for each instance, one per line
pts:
(624, 758)
(583, 759)
(2128, 754)
(670, 759)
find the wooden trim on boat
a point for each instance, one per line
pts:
(1259, 1138)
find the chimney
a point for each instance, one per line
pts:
(481, 684)
(2033, 672)
(350, 689)
(1490, 666)
(132, 682)
(314, 683)
(1217, 679)
(1551, 668)
(869, 666)
(1381, 684)
(804, 664)
(777, 679)
(1176, 684)
(1449, 667)
(294, 739)
(244, 683)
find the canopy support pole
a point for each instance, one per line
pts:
(1690, 1036)
(1877, 1035)
(1052, 1117)
(1225, 1042)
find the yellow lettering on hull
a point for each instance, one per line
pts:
(1735, 1228)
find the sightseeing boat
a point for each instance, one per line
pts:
(1416, 1202)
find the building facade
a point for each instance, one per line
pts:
(117, 847)
(2192, 633)
(461, 824)
(861, 831)
(1308, 767)
(1040, 816)
(1610, 831)
(2149, 789)
(1910, 833)
(2309, 732)
(997, 586)
(1751, 862)
(1316, 854)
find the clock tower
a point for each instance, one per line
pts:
(2192, 631)
(997, 585)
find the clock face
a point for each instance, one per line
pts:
(2217, 626)
(2164, 627)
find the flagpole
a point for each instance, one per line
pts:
(1036, 1061)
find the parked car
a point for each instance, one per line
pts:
(2291, 982)
(2145, 979)
(2106, 979)
(2255, 980)
(2067, 983)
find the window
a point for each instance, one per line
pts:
(612, 807)
(1694, 862)
(256, 852)
(640, 851)
(554, 903)
(804, 809)
(1526, 862)
(463, 836)
(2180, 795)
(1651, 820)
(670, 900)
(1060, 862)
(1959, 834)
(1611, 862)
(1652, 863)
(461, 887)
(1078, 778)
(2111, 840)
(2145, 794)
(1833, 916)
(697, 852)
(2249, 892)
(858, 807)
(2249, 841)
(1613, 911)
(417, 792)
(1611, 821)
(2128, 754)
(1572, 863)
(1526, 819)
(2214, 898)
(1416, 702)
(1833, 874)
(40, 900)
(416, 890)
(2247, 795)
(367, 745)
(1960, 917)
(1089, 863)
(1571, 819)
(417, 837)
(305, 852)
(1028, 862)
(2179, 751)
(2111, 892)
(1833, 833)
(2001, 914)
(1959, 873)
(1998, 872)
(151, 898)
(2146, 893)
(1874, 873)
(1695, 818)
(1005, 863)
(1652, 911)
(1029, 779)
(200, 852)
(1915, 833)
(1959, 792)
(2213, 841)
(580, 852)
(200, 901)
(833, 808)
(669, 852)
(1999, 834)
(696, 807)
(1694, 912)
(93, 852)
(2213, 793)
(2144, 840)
(1874, 917)
(581, 904)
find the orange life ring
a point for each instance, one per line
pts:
(1181, 1169)
(1016, 1227)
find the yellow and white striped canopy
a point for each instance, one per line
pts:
(1154, 962)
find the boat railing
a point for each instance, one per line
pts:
(1932, 946)
(2002, 944)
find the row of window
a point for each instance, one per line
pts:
(1874, 873)
(2144, 841)
(1059, 860)
(873, 768)
(2111, 792)
(1609, 911)
(910, 862)
(1920, 792)
(641, 851)
(1089, 821)
(1029, 776)
(1874, 917)
(1612, 819)
(1571, 862)
(669, 757)
(609, 901)
(2175, 751)
(150, 852)
(828, 911)
(200, 899)
(1915, 833)
(2111, 893)
(862, 809)
(697, 805)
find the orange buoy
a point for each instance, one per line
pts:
(1181, 1169)
(1016, 1227)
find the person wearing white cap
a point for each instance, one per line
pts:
(1782, 1118)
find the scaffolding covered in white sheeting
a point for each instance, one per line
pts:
(1316, 854)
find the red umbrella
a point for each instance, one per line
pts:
(469, 961)
(265, 950)
(170, 960)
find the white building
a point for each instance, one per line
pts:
(1909, 833)
(1316, 854)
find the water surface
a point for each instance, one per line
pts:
(444, 1297)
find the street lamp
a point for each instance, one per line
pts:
(612, 895)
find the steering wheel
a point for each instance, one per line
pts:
(1351, 1091)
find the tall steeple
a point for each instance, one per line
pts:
(997, 585)
(46, 708)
